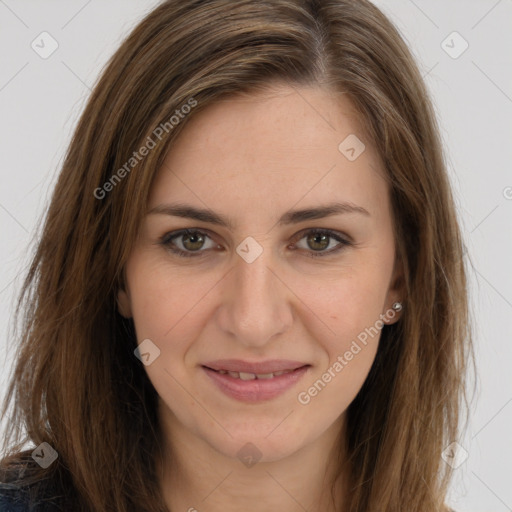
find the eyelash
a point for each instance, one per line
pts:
(166, 241)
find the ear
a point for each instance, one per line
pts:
(396, 293)
(124, 305)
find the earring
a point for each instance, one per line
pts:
(397, 306)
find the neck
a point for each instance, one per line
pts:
(197, 477)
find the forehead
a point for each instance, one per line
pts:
(267, 151)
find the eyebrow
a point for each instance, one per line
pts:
(290, 217)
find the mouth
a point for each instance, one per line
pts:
(255, 376)
(251, 387)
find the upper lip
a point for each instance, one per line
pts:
(269, 366)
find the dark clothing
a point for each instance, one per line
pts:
(18, 499)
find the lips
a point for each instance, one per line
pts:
(252, 376)
(247, 370)
(252, 387)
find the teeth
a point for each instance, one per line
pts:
(247, 376)
(252, 376)
(282, 371)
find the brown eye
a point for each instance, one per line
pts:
(193, 241)
(318, 240)
(187, 243)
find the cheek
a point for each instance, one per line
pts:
(169, 303)
(166, 304)
(347, 324)
(344, 305)
(349, 347)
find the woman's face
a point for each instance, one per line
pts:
(267, 283)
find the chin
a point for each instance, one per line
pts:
(262, 444)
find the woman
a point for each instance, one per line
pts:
(250, 287)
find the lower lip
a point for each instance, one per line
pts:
(255, 390)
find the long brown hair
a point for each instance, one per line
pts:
(76, 383)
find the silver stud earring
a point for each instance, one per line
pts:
(397, 306)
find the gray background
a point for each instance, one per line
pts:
(41, 99)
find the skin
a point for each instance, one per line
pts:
(252, 159)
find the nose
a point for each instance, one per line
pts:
(256, 302)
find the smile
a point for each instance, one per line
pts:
(255, 387)
(252, 376)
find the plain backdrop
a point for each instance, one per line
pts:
(469, 75)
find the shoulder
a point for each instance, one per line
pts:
(13, 499)
(25, 486)
(19, 496)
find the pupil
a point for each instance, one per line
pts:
(194, 239)
(323, 237)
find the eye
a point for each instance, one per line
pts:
(320, 239)
(193, 241)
